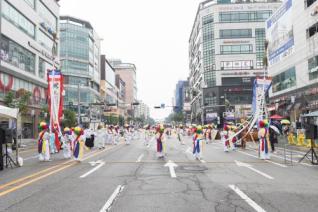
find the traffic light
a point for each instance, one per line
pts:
(135, 103)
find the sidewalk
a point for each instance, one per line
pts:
(25, 143)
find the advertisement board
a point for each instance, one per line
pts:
(211, 116)
(279, 33)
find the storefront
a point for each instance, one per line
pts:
(295, 103)
(16, 86)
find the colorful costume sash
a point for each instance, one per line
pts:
(40, 143)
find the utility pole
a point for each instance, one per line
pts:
(78, 105)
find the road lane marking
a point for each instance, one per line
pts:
(268, 161)
(34, 180)
(247, 199)
(188, 150)
(112, 198)
(139, 158)
(171, 166)
(241, 164)
(101, 163)
(29, 158)
(202, 161)
(280, 157)
(68, 164)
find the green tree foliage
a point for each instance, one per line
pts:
(23, 102)
(8, 99)
(20, 100)
(175, 117)
(69, 118)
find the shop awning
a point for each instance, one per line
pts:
(9, 113)
(313, 114)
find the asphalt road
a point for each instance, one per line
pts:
(131, 178)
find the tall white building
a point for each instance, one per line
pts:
(293, 30)
(142, 111)
(29, 44)
(226, 50)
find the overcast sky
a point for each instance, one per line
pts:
(152, 34)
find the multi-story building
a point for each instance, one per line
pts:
(226, 50)
(294, 69)
(179, 96)
(28, 48)
(127, 72)
(112, 89)
(121, 97)
(142, 111)
(80, 62)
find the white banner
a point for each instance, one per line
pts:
(279, 32)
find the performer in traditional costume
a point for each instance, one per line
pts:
(197, 142)
(53, 149)
(180, 134)
(264, 143)
(226, 137)
(57, 143)
(147, 135)
(100, 137)
(78, 143)
(43, 142)
(160, 141)
(128, 134)
(67, 142)
(209, 134)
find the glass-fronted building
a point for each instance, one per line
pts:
(294, 68)
(80, 62)
(226, 51)
(28, 48)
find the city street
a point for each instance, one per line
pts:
(131, 178)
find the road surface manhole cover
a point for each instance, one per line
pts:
(193, 168)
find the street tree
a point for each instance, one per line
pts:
(69, 118)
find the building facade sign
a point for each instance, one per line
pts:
(279, 30)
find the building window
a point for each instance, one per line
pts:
(45, 41)
(237, 65)
(248, 16)
(17, 19)
(235, 33)
(236, 49)
(31, 3)
(16, 55)
(260, 46)
(210, 78)
(44, 67)
(77, 80)
(74, 42)
(75, 67)
(210, 100)
(313, 68)
(48, 17)
(309, 2)
(284, 80)
(311, 31)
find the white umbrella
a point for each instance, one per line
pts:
(275, 129)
